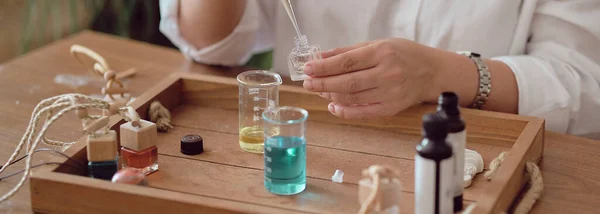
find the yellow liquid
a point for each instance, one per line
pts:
(252, 139)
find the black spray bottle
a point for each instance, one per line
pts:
(434, 168)
(457, 137)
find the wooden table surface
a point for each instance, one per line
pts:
(570, 167)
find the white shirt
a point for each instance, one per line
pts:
(553, 47)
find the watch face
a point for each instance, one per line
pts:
(475, 54)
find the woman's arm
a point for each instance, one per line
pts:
(459, 74)
(218, 32)
(205, 22)
(558, 78)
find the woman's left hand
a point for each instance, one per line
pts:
(379, 78)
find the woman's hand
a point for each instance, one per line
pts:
(382, 78)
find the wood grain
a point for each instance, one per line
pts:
(569, 165)
(495, 128)
(124, 198)
(322, 161)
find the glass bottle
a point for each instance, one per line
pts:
(434, 166)
(300, 55)
(389, 193)
(103, 169)
(130, 176)
(138, 146)
(102, 155)
(457, 136)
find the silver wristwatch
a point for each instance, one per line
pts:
(485, 79)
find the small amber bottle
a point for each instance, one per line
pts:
(138, 146)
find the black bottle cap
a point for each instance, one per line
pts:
(448, 103)
(435, 127)
(192, 145)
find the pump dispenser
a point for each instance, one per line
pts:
(448, 106)
(433, 168)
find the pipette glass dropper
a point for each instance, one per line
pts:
(287, 4)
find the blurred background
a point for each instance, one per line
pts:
(29, 24)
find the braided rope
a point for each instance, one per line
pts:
(161, 116)
(62, 104)
(536, 183)
(494, 165)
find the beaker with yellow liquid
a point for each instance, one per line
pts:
(258, 90)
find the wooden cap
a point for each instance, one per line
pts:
(138, 138)
(102, 147)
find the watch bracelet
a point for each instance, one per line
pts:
(485, 81)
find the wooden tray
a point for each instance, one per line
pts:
(225, 179)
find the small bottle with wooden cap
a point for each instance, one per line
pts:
(102, 155)
(138, 145)
(380, 191)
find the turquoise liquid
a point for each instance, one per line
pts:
(285, 165)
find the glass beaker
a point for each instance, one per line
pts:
(285, 150)
(258, 90)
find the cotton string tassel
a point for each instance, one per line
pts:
(161, 116)
(53, 109)
(536, 185)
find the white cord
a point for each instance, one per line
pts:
(66, 103)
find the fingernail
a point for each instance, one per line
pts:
(337, 108)
(308, 69)
(308, 85)
(331, 108)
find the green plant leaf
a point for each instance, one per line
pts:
(26, 32)
(263, 61)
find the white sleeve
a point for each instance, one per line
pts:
(559, 77)
(252, 35)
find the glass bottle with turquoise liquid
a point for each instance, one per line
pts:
(285, 150)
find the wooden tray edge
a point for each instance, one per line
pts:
(499, 198)
(129, 198)
(510, 178)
